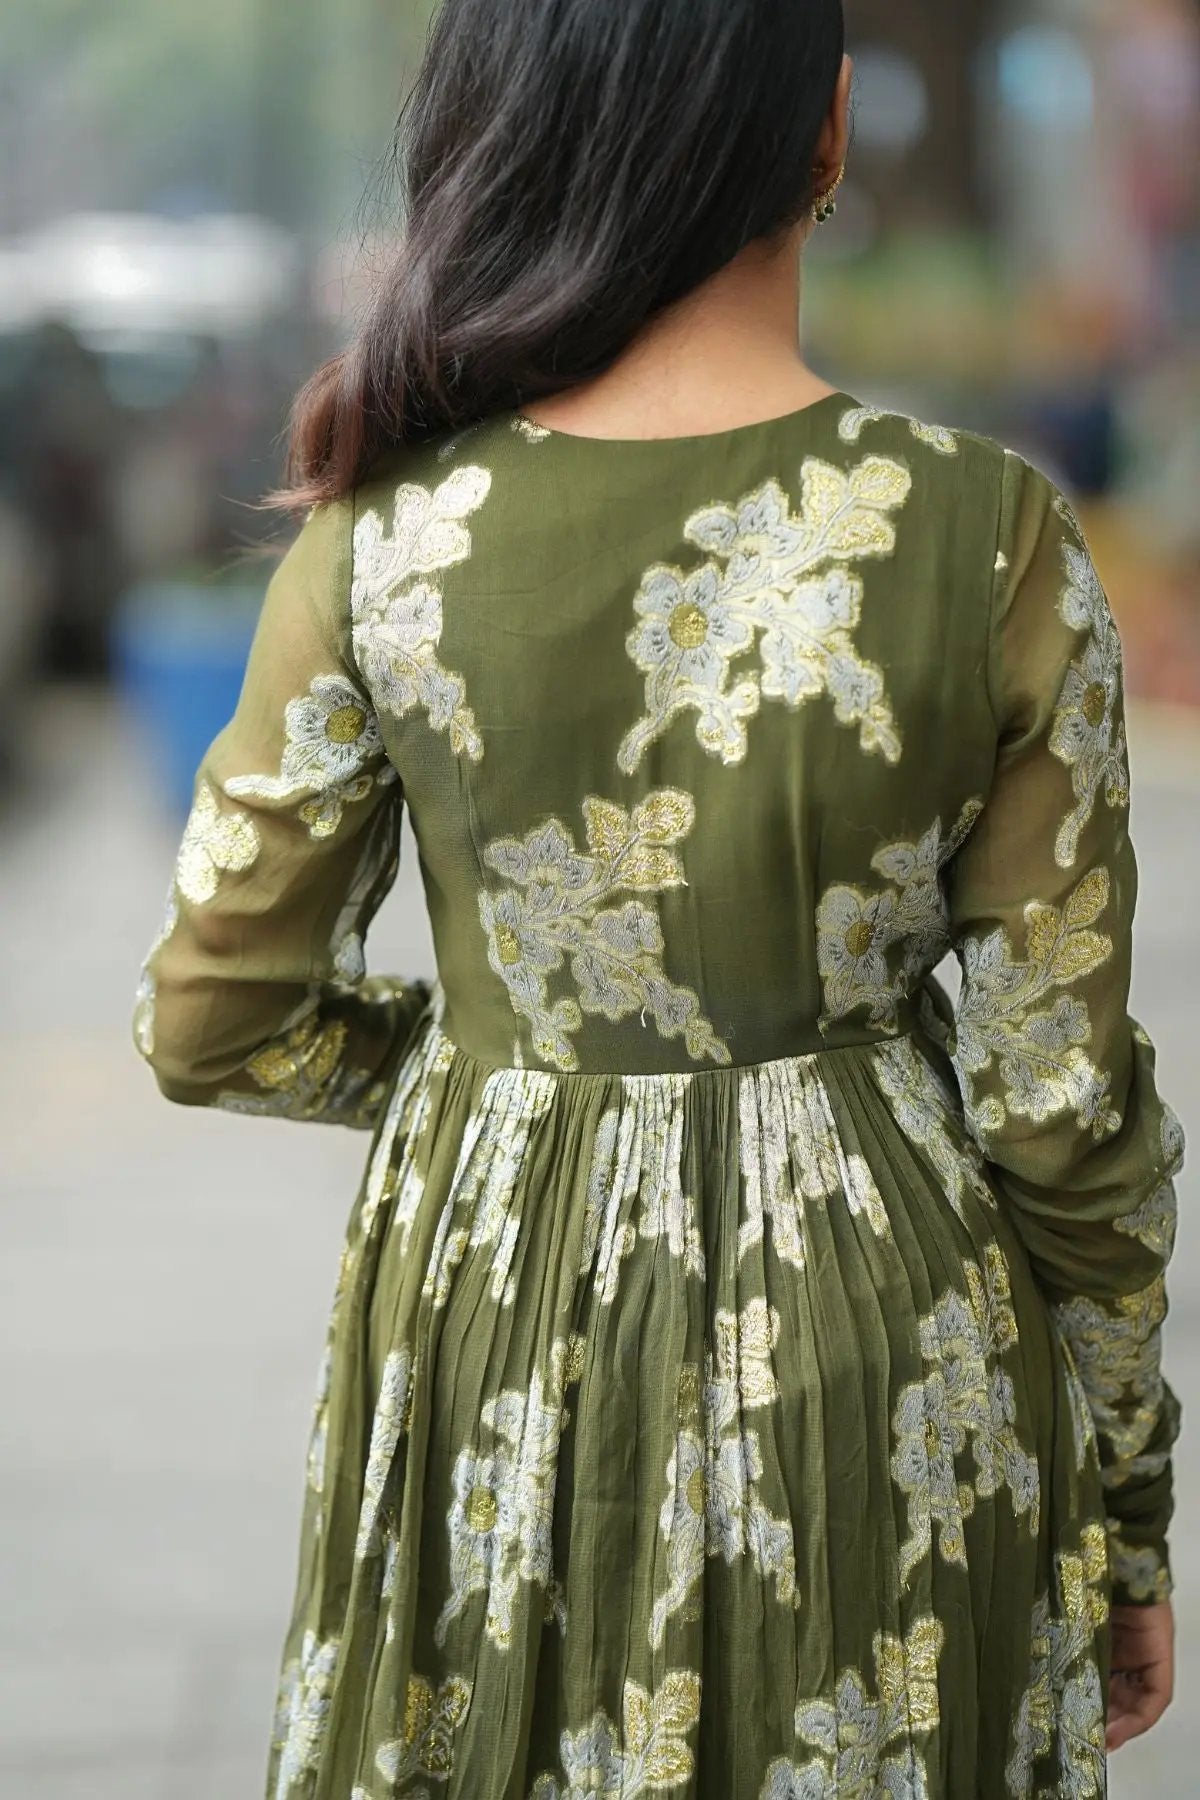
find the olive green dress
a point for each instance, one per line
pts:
(743, 1379)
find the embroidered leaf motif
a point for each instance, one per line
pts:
(213, 842)
(937, 437)
(1008, 1014)
(857, 932)
(565, 906)
(1087, 734)
(397, 619)
(864, 1744)
(781, 578)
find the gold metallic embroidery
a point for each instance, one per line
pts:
(776, 572)
(555, 907)
(647, 1754)
(1088, 734)
(1007, 1013)
(431, 1719)
(213, 842)
(397, 618)
(713, 1504)
(965, 1397)
(864, 1741)
(1058, 1728)
(858, 930)
(332, 753)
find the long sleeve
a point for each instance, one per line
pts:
(1058, 1081)
(254, 996)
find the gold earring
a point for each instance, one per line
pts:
(825, 204)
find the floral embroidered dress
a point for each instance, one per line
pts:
(743, 1379)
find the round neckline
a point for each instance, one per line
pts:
(730, 433)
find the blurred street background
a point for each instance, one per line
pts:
(183, 235)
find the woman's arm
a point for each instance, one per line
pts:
(254, 996)
(1058, 1081)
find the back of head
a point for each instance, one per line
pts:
(569, 168)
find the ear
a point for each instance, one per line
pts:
(834, 141)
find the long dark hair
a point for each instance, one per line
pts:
(567, 169)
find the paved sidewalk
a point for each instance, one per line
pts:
(164, 1278)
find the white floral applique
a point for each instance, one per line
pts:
(1021, 1016)
(302, 1713)
(531, 432)
(500, 1518)
(479, 1211)
(780, 573)
(713, 1505)
(857, 930)
(213, 843)
(966, 1398)
(648, 1753)
(1140, 1571)
(561, 904)
(390, 1422)
(1057, 1731)
(864, 1741)
(396, 611)
(332, 753)
(1117, 1349)
(143, 1016)
(791, 1154)
(1088, 734)
(426, 1746)
(1154, 1221)
(929, 1118)
(852, 424)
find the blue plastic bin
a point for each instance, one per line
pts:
(179, 657)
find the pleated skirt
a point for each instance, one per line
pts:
(692, 1434)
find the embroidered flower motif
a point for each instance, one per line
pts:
(1155, 1221)
(927, 1115)
(791, 1153)
(397, 627)
(612, 1182)
(143, 1014)
(857, 931)
(1117, 1349)
(391, 1421)
(430, 1722)
(1087, 734)
(964, 1397)
(1139, 1571)
(1007, 1014)
(865, 1744)
(213, 842)
(501, 1515)
(1058, 1728)
(556, 907)
(776, 572)
(331, 739)
(302, 1073)
(647, 1755)
(713, 1505)
(482, 1194)
(302, 1713)
(937, 437)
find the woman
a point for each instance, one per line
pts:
(743, 1378)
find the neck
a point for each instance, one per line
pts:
(726, 355)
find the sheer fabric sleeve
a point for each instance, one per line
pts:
(254, 996)
(1058, 1081)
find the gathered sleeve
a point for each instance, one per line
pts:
(1058, 1081)
(254, 996)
